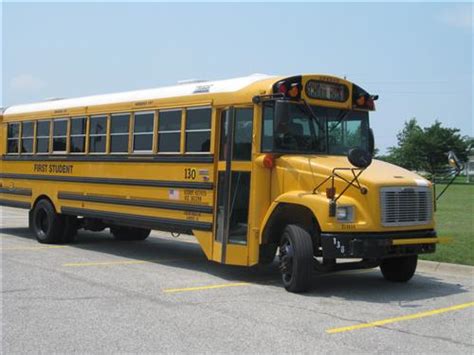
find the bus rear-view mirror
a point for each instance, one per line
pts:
(454, 161)
(360, 158)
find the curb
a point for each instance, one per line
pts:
(445, 268)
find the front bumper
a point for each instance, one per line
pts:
(378, 245)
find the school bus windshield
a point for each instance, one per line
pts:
(329, 131)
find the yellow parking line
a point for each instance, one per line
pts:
(236, 284)
(399, 319)
(107, 263)
(209, 287)
(122, 262)
(35, 248)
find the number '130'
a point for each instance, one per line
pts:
(190, 174)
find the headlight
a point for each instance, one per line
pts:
(345, 213)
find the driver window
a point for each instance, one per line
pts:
(345, 135)
(353, 134)
(297, 132)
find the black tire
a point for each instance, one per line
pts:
(296, 259)
(267, 253)
(47, 225)
(399, 269)
(129, 233)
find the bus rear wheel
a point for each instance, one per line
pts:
(129, 233)
(46, 224)
(399, 269)
(296, 259)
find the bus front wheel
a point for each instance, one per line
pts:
(399, 269)
(129, 233)
(296, 259)
(267, 253)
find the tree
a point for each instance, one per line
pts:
(426, 148)
(407, 153)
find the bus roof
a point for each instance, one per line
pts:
(204, 87)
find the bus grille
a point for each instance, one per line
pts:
(406, 206)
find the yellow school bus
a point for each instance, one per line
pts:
(254, 167)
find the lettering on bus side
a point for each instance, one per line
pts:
(192, 216)
(143, 103)
(53, 168)
(194, 195)
(329, 79)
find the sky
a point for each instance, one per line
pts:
(416, 56)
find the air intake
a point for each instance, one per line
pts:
(406, 206)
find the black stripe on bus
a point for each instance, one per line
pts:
(112, 181)
(135, 202)
(140, 221)
(115, 158)
(16, 204)
(15, 191)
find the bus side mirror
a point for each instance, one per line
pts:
(371, 142)
(360, 158)
(454, 161)
(281, 111)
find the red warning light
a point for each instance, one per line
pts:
(268, 161)
(282, 88)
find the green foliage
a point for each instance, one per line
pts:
(425, 149)
(454, 221)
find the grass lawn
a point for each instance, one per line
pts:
(454, 219)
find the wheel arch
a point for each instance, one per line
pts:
(43, 197)
(285, 213)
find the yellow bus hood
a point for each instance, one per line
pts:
(295, 177)
(318, 167)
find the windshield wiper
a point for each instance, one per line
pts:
(313, 115)
(342, 118)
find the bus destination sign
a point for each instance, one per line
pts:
(320, 90)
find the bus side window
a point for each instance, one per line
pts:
(59, 135)
(42, 137)
(198, 130)
(13, 136)
(143, 132)
(97, 134)
(169, 131)
(77, 136)
(27, 137)
(119, 126)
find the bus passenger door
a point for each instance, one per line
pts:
(233, 186)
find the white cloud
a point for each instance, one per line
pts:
(458, 16)
(27, 82)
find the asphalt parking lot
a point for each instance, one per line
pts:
(162, 295)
